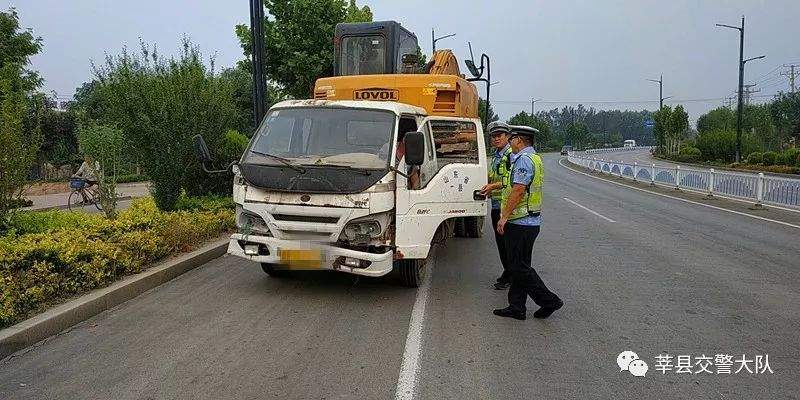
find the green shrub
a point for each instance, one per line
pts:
(159, 103)
(131, 178)
(755, 158)
(769, 158)
(721, 145)
(689, 154)
(788, 157)
(51, 255)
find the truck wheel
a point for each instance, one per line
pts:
(473, 227)
(412, 271)
(271, 270)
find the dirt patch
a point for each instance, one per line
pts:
(41, 188)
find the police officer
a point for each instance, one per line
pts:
(498, 168)
(519, 223)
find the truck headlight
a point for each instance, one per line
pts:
(248, 222)
(362, 230)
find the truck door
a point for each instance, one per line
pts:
(455, 169)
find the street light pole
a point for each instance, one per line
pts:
(660, 83)
(740, 102)
(434, 39)
(533, 102)
(259, 82)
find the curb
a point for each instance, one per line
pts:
(53, 321)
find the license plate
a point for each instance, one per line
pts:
(301, 259)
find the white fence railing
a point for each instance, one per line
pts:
(757, 188)
(616, 149)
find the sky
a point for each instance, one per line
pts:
(599, 53)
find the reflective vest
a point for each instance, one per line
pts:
(531, 202)
(498, 172)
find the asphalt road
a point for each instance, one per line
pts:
(637, 271)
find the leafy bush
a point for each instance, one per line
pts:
(755, 158)
(159, 104)
(788, 157)
(721, 145)
(49, 255)
(689, 154)
(104, 144)
(131, 178)
(769, 158)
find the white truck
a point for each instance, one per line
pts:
(361, 187)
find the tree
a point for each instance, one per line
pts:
(105, 145)
(20, 111)
(662, 129)
(722, 118)
(543, 140)
(16, 48)
(482, 112)
(679, 123)
(240, 78)
(159, 104)
(299, 40)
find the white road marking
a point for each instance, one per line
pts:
(680, 199)
(591, 211)
(407, 381)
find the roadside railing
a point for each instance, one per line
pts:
(757, 188)
(616, 149)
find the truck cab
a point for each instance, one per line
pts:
(325, 184)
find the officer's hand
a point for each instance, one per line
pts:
(501, 224)
(486, 189)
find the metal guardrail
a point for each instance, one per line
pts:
(758, 188)
(617, 149)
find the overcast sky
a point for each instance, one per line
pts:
(559, 51)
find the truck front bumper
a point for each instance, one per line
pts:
(379, 263)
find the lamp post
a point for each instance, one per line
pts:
(434, 39)
(739, 105)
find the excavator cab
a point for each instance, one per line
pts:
(373, 48)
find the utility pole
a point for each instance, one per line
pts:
(791, 75)
(434, 39)
(740, 104)
(661, 98)
(533, 102)
(748, 92)
(259, 82)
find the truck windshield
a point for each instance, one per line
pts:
(363, 55)
(324, 136)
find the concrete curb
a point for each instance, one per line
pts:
(53, 321)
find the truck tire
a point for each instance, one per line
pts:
(473, 227)
(271, 270)
(412, 271)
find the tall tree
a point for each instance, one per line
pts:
(679, 123)
(544, 139)
(17, 45)
(482, 112)
(662, 119)
(299, 40)
(20, 111)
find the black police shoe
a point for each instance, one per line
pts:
(545, 312)
(502, 285)
(510, 313)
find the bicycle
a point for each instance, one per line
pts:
(82, 196)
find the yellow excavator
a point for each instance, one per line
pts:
(379, 61)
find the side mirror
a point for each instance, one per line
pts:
(201, 150)
(472, 69)
(415, 148)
